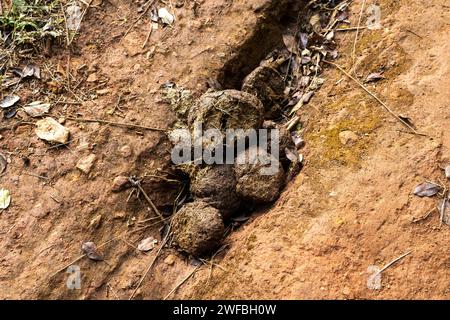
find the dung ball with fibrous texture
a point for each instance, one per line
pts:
(267, 84)
(259, 175)
(216, 185)
(227, 109)
(197, 228)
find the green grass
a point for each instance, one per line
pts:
(28, 24)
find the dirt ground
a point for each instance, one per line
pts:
(351, 207)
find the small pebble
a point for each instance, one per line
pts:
(348, 137)
(120, 183)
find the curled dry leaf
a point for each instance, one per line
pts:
(447, 171)
(37, 109)
(290, 43)
(74, 14)
(291, 155)
(3, 163)
(444, 211)
(31, 70)
(91, 251)
(298, 141)
(5, 199)
(374, 77)
(303, 40)
(427, 189)
(147, 244)
(9, 101)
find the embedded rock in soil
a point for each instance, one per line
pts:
(216, 185)
(267, 84)
(197, 228)
(259, 178)
(227, 109)
(50, 130)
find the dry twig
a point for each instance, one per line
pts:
(392, 262)
(375, 97)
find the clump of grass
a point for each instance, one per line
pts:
(29, 25)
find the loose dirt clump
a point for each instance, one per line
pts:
(197, 228)
(257, 181)
(216, 185)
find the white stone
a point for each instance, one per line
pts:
(50, 130)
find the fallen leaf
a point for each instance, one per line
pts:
(147, 244)
(37, 109)
(303, 40)
(3, 163)
(374, 77)
(291, 155)
(90, 249)
(10, 113)
(290, 43)
(5, 199)
(9, 101)
(298, 141)
(444, 211)
(31, 70)
(427, 189)
(447, 171)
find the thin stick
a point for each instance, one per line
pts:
(166, 238)
(112, 290)
(150, 201)
(356, 37)
(392, 262)
(65, 21)
(375, 97)
(149, 4)
(350, 29)
(148, 36)
(118, 124)
(181, 283)
(100, 246)
(443, 207)
(79, 23)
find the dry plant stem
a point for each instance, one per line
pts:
(392, 262)
(148, 37)
(113, 291)
(79, 23)
(118, 124)
(100, 246)
(181, 282)
(350, 29)
(150, 201)
(356, 37)
(166, 239)
(375, 97)
(443, 207)
(65, 24)
(149, 4)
